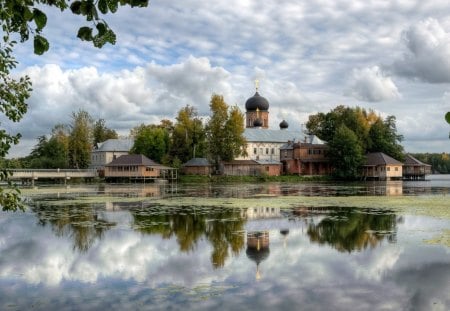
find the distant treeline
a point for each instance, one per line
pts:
(440, 162)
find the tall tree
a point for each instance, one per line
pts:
(80, 139)
(345, 153)
(101, 132)
(152, 141)
(224, 131)
(234, 128)
(383, 137)
(53, 152)
(25, 18)
(188, 137)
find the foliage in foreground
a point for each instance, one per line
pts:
(25, 19)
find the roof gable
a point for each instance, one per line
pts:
(120, 144)
(197, 162)
(411, 161)
(133, 159)
(379, 158)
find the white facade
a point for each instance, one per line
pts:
(265, 144)
(108, 151)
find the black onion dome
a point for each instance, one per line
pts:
(257, 255)
(257, 123)
(284, 124)
(257, 102)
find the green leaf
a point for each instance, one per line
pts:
(85, 33)
(75, 7)
(112, 5)
(40, 19)
(41, 45)
(103, 6)
(447, 117)
(102, 28)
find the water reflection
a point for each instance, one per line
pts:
(140, 256)
(78, 222)
(348, 229)
(258, 248)
(222, 228)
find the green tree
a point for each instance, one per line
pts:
(152, 141)
(101, 133)
(447, 118)
(48, 153)
(80, 139)
(345, 152)
(188, 137)
(234, 140)
(383, 137)
(25, 18)
(224, 131)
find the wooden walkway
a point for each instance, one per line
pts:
(30, 175)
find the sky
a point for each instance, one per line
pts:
(390, 56)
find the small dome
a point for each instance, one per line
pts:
(257, 102)
(257, 123)
(284, 125)
(284, 232)
(258, 255)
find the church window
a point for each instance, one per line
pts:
(272, 151)
(255, 151)
(267, 150)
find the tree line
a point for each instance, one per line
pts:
(440, 162)
(353, 132)
(170, 143)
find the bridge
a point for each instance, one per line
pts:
(30, 175)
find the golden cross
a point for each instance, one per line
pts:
(256, 85)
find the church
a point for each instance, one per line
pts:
(264, 145)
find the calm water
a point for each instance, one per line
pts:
(139, 256)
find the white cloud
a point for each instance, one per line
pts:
(184, 52)
(428, 52)
(371, 84)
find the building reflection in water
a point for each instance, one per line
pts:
(258, 248)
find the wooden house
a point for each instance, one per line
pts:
(137, 167)
(379, 166)
(250, 168)
(107, 151)
(197, 166)
(415, 169)
(305, 158)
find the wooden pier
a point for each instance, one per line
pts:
(28, 176)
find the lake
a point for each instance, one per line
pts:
(268, 246)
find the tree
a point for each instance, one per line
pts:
(346, 153)
(80, 139)
(151, 141)
(49, 153)
(447, 118)
(224, 131)
(101, 133)
(188, 136)
(25, 18)
(383, 138)
(234, 128)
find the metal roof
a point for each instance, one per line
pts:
(133, 159)
(379, 158)
(275, 136)
(119, 144)
(411, 161)
(197, 162)
(279, 136)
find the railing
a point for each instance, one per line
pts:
(51, 173)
